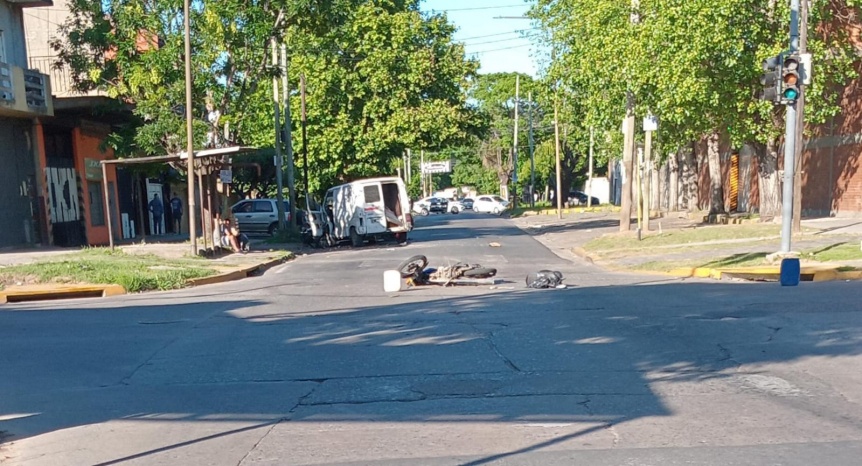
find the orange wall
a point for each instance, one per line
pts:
(86, 146)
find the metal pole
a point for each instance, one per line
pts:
(557, 195)
(288, 138)
(107, 205)
(303, 117)
(190, 135)
(422, 170)
(532, 154)
(800, 124)
(515, 143)
(789, 143)
(279, 162)
(590, 170)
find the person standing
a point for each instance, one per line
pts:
(158, 210)
(177, 213)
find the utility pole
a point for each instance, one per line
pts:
(288, 138)
(279, 163)
(790, 143)
(800, 124)
(532, 153)
(590, 169)
(303, 118)
(515, 143)
(557, 195)
(190, 134)
(409, 166)
(422, 171)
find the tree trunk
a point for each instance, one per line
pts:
(673, 168)
(767, 180)
(689, 180)
(716, 188)
(628, 163)
(663, 199)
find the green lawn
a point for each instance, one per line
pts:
(688, 236)
(104, 266)
(836, 252)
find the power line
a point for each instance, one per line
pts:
(501, 40)
(496, 7)
(516, 31)
(496, 50)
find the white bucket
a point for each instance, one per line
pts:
(391, 281)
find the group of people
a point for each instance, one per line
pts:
(157, 208)
(228, 234)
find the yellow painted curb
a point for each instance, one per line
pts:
(808, 273)
(14, 294)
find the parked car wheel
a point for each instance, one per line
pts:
(273, 229)
(356, 239)
(454, 210)
(496, 211)
(423, 212)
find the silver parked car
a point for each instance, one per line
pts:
(259, 215)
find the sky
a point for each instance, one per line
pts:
(498, 43)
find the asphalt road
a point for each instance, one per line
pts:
(312, 363)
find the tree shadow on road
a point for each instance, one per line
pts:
(594, 357)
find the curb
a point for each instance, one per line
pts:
(771, 273)
(17, 294)
(239, 274)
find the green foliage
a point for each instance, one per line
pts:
(693, 63)
(366, 103)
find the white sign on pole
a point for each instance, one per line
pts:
(437, 167)
(651, 123)
(226, 176)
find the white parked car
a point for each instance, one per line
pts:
(490, 203)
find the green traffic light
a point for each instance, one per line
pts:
(791, 94)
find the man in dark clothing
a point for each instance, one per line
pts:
(157, 209)
(177, 213)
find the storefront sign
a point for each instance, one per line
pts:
(92, 170)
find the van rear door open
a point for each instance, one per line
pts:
(375, 218)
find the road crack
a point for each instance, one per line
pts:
(256, 444)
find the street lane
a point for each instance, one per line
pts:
(312, 363)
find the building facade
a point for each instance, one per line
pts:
(25, 96)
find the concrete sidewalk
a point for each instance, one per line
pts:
(567, 237)
(228, 266)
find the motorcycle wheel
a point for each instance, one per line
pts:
(413, 266)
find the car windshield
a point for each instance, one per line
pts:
(498, 199)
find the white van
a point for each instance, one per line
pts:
(365, 209)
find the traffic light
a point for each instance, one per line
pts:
(771, 79)
(790, 79)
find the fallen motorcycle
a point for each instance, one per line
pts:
(415, 272)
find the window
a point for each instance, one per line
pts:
(97, 204)
(372, 194)
(262, 206)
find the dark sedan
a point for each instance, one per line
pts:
(580, 198)
(467, 203)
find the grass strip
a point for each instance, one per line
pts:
(135, 272)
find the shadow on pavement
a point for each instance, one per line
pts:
(584, 355)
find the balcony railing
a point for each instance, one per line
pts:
(62, 84)
(24, 93)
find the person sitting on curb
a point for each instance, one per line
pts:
(228, 235)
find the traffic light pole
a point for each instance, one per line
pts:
(789, 143)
